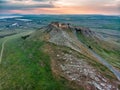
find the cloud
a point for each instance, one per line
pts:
(60, 6)
(3, 1)
(24, 4)
(105, 5)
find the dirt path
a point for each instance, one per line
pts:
(105, 63)
(3, 44)
(102, 60)
(2, 50)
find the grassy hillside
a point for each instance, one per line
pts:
(109, 52)
(25, 66)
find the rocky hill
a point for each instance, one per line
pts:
(72, 57)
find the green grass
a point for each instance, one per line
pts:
(25, 66)
(109, 54)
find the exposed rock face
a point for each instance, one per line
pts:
(80, 71)
(58, 35)
(85, 31)
(65, 35)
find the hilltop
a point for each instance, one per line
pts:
(73, 58)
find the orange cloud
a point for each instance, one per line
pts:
(68, 10)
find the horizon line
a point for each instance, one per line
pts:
(61, 14)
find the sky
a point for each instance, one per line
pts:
(109, 7)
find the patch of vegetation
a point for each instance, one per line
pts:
(96, 47)
(118, 86)
(104, 50)
(25, 66)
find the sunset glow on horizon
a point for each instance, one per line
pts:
(60, 7)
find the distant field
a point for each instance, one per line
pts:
(32, 22)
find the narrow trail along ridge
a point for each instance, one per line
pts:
(2, 50)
